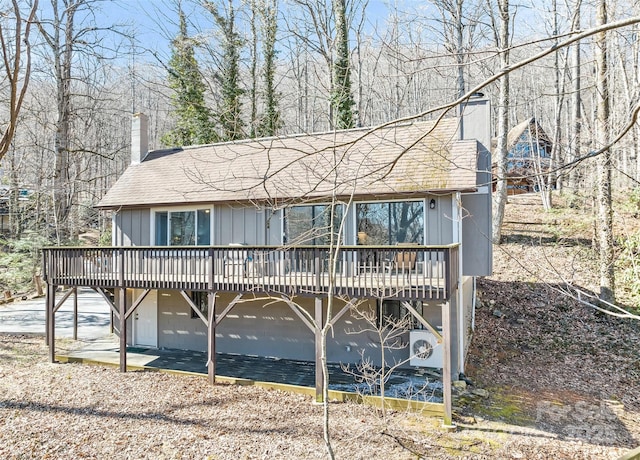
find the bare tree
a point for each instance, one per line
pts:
(15, 40)
(576, 101)
(458, 20)
(603, 181)
(390, 335)
(502, 43)
(77, 54)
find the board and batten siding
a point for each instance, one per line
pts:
(246, 225)
(477, 249)
(439, 222)
(132, 227)
(249, 225)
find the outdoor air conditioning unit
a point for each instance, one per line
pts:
(425, 349)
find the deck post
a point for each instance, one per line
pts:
(51, 324)
(446, 364)
(211, 326)
(319, 364)
(75, 313)
(122, 300)
(47, 302)
(211, 364)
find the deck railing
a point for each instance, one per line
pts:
(404, 272)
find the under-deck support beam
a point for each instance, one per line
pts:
(211, 329)
(211, 325)
(47, 308)
(137, 303)
(50, 320)
(75, 314)
(122, 300)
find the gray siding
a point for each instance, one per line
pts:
(477, 249)
(263, 328)
(475, 121)
(176, 328)
(132, 227)
(255, 226)
(239, 224)
(467, 311)
(268, 327)
(439, 222)
(455, 339)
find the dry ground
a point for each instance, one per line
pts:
(70, 411)
(563, 383)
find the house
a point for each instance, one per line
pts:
(238, 247)
(528, 157)
(14, 207)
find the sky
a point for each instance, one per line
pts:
(154, 22)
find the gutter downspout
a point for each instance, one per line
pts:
(473, 306)
(460, 306)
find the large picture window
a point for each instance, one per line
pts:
(183, 228)
(390, 223)
(309, 225)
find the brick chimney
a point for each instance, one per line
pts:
(139, 138)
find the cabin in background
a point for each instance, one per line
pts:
(528, 157)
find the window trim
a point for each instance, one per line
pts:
(422, 200)
(283, 218)
(169, 210)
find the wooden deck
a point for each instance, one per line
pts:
(397, 272)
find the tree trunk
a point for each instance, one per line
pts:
(500, 196)
(603, 179)
(16, 51)
(576, 113)
(460, 58)
(63, 54)
(253, 117)
(548, 180)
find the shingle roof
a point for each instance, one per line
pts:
(513, 137)
(415, 157)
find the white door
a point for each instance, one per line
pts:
(145, 329)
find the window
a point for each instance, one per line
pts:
(200, 300)
(162, 226)
(183, 228)
(390, 223)
(392, 311)
(310, 224)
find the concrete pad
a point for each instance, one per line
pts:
(28, 316)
